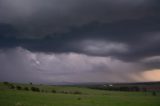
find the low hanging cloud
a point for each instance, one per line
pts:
(21, 65)
(100, 47)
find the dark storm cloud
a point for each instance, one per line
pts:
(41, 18)
(141, 38)
(124, 29)
(79, 40)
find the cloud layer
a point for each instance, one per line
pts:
(24, 66)
(80, 37)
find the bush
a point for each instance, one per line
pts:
(71, 92)
(79, 98)
(77, 92)
(5, 83)
(53, 91)
(65, 92)
(154, 93)
(35, 89)
(11, 86)
(19, 87)
(42, 90)
(26, 88)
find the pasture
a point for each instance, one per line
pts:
(73, 96)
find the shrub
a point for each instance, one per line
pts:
(11, 86)
(79, 98)
(5, 83)
(35, 89)
(19, 87)
(42, 90)
(77, 92)
(53, 91)
(71, 92)
(154, 93)
(26, 88)
(65, 92)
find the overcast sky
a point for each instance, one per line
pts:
(47, 41)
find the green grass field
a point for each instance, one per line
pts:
(88, 97)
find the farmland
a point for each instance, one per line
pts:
(73, 96)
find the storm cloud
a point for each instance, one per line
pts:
(24, 66)
(93, 40)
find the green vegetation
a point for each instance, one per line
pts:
(72, 96)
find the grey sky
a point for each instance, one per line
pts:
(79, 41)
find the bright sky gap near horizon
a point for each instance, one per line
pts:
(46, 41)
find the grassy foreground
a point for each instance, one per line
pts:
(88, 97)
